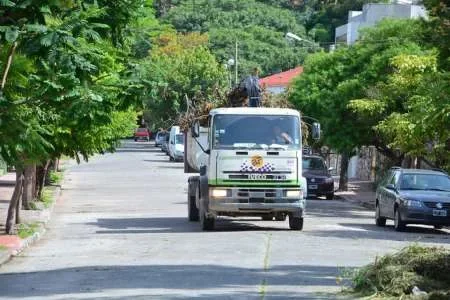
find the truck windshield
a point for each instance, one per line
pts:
(256, 132)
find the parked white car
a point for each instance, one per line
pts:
(176, 144)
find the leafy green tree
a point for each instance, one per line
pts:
(332, 80)
(257, 26)
(178, 76)
(66, 98)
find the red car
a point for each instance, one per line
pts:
(142, 134)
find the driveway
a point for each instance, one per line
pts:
(120, 230)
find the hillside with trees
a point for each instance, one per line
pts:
(259, 26)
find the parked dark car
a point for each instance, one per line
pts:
(165, 144)
(159, 138)
(318, 178)
(412, 196)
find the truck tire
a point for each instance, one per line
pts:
(207, 223)
(193, 214)
(295, 223)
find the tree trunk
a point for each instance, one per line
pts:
(27, 197)
(343, 178)
(14, 208)
(41, 176)
(9, 60)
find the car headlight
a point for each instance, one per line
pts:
(294, 194)
(412, 203)
(219, 193)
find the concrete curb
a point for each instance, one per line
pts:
(5, 256)
(361, 203)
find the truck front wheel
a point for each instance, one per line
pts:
(193, 214)
(295, 223)
(206, 222)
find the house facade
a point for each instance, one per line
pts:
(372, 14)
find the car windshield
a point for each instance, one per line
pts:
(256, 132)
(313, 163)
(431, 182)
(179, 139)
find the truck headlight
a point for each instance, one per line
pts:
(219, 193)
(294, 194)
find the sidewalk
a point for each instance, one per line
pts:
(359, 192)
(11, 245)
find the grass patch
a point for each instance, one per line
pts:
(47, 197)
(3, 248)
(26, 230)
(56, 177)
(394, 276)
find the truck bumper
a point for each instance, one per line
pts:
(256, 201)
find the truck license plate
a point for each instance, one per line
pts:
(439, 213)
(313, 186)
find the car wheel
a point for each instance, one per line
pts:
(379, 220)
(267, 218)
(193, 214)
(399, 225)
(295, 223)
(438, 227)
(330, 196)
(280, 217)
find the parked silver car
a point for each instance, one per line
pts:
(412, 196)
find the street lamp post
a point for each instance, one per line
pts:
(292, 36)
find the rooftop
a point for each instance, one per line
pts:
(281, 79)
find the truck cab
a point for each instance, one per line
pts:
(249, 162)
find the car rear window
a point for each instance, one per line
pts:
(142, 130)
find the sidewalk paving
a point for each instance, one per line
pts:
(359, 192)
(11, 245)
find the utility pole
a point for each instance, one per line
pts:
(236, 63)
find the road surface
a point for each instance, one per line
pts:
(120, 231)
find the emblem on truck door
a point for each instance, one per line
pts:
(257, 161)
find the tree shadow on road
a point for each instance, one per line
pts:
(209, 281)
(176, 224)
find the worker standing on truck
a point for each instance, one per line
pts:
(253, 89)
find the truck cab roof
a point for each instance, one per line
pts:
(253, 111)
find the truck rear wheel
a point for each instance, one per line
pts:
(295, 223)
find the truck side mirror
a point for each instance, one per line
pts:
(316, 131)
(196, 129)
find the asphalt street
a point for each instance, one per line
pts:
(120, 230)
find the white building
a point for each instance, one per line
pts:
(373, 13)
